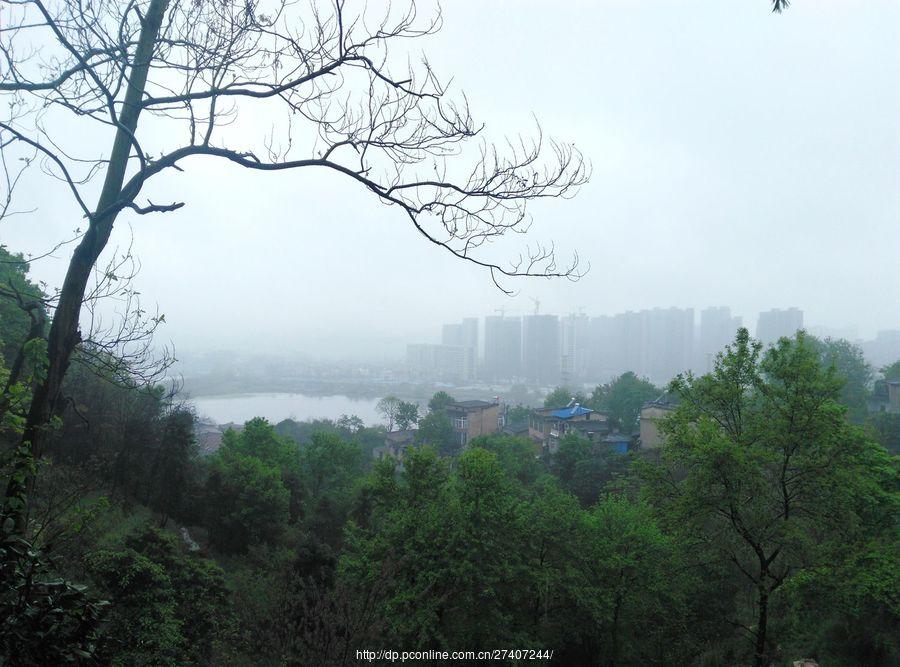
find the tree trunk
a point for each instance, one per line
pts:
(615, 631)
(64, 333)
(759, 657)
(36, 331)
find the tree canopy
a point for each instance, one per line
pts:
(762, 470)
(563, 396)
(623, 398)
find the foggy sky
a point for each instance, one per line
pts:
(739, 158)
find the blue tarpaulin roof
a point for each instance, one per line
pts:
(566, 413)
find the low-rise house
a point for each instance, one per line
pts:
(518, 429)
(548, 426)
(396, 443)
(885, 397)
(208, 435)
(618, 442)
(651, 414)
(471, 419)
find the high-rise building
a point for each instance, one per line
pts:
(463, 334)
(654, 343)
(502, 348)
(635, 342)
(576, 349)
(451, 334)
(777, 323)
(541, 349)
(607, 347)
(885, 349)
(441, 363)
(598, 329)
(717, 329)
(669, 338)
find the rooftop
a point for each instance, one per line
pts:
(402, 437)
(665, 400)
(568, 413)
(471, 405)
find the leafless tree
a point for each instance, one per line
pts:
(119, 340)
(169, 80)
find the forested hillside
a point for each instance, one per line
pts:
(763, 531)
(323, 214)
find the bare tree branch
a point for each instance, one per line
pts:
(350, 99)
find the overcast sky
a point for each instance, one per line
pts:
(739, 158)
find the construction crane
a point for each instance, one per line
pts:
(537, 305)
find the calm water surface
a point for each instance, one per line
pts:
(275, 407)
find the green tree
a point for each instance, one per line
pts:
(202, 601)
(389, 407)
(436, 430)
(846, 611)
(302, 431)
(628, 586)
(851, 367)
(760, 467)
(562, 396)
(407, 415)
(167, 607)
(23, 348)
(892, 371)
(46, 619)
(488, 567)
(622, 399)
(440, 401)
(16, 292)
(350, 424)
(585, 468)
(331, 471)
(550, 545)
(246, 501)
(886, 428)
(407, 536)
(143, 628)
(518, 414)
(453, 544)
(259, 439)
(174, 465)
(517, 456)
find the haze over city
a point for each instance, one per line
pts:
(526, 332)
(737, 160)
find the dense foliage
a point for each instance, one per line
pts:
(763, 531)
(622, 399)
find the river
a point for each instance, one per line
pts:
(239, 408)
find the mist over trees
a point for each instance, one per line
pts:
(195, 68)
(762, 530)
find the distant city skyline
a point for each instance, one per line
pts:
(548, 349)
(364, 346)
(762, 177)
